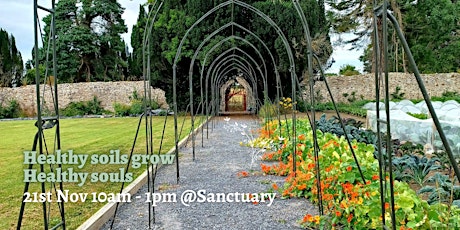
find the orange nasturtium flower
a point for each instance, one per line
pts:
(302, 187)
(307, 218)
(275, 186)
(338, 214)
(350, 217)
(243, 174)
(347, 187)
(349, 168)
(375, 177)
(302, 137)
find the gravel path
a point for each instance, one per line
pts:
(215, 170)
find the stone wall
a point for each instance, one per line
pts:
(364, 86)
(107, 92)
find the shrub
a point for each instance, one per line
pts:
(10, 111)
(348, 70)
(268, 110)
(285, 105)
(136, 106)
(121, 109)
(397, 95)
(446, 96)
(81, 108)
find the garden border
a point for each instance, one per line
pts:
(98, 219)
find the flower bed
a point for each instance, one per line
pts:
(348, 201)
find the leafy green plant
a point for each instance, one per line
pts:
(352, 127)
(268, 110)
(136, 106)
(415, 168)
(354, 108)
(81, 108)
(421, 116)
(397, 95)
(348, 203)
(121, 110)
(410, 148)
(446, 96)
(10, 111)
(445, 161)
(444, 190)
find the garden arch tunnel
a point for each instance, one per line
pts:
(228, 25)
(229, 63)
(213, 10)
(248, 100)
(223, 83)
(235, 48)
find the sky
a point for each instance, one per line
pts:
(16, 17)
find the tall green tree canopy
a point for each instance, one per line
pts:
(431, 27)
(11, 64)
(433, 32)
(89, 45)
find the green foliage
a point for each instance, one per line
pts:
(443, 190)
(29, 78)
(352, 128)
(445, 161)
(268, 110)
(430, 28)
(348, 70)
(410, 148)
(121, 110)
(11, 64)
(81, 108)
(135, 60)
(177, 16)
(354, 108)
(366, 58)
(397, 95)
(89, 45)
(10, 111)
(433, 37)
(136, 106)
(348, 203)
(415, 168)
(421, 116)
(446, 96)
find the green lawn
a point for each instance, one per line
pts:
(83, 136)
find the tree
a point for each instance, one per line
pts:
(89, 46)
(135, 60)
(356, 17)
(433, 34)
(11, 64)
(348, 70)
(432, 31)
